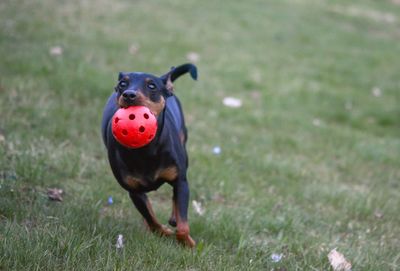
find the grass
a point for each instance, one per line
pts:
(309, 163)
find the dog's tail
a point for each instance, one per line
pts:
(176, 72)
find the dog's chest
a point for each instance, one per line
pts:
(151, 180)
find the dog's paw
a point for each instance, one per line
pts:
(163, 231)
(160, 230)
(186, 240)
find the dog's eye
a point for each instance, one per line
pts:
(123, 84)
(151, 86)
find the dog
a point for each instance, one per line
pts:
(164, 159)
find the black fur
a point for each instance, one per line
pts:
(166, 150)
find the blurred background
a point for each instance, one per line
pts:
(294, 129)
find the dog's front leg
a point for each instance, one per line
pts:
(143, 205)
(181, 202)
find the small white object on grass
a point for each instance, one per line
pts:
(193, 57)
(378, 214)
(198, 207)
(316, 122)
(120, 241)
(377, 92)
(133, 49)
(276, 258)
(338, 261)
(56, 51)
(232, 102)
(217, 150)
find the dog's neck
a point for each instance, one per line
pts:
(160, 123)
(153, 146)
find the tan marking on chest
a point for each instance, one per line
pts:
(169, 174)
(133, 182)
(182, 137)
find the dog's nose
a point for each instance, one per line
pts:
(129, 95)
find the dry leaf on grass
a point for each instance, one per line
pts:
(120, 241)
(338, 261)
(55, 194)
(198, 207)
(378, 214)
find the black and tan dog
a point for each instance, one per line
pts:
(165, 159)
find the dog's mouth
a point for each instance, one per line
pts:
(122, 103)
(155, 107)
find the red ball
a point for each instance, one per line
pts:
(134, 126)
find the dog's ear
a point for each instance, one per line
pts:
(120, 75)
(175, 73)
(166, 78)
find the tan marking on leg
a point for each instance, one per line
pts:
(182, 230)
(132, 182)
(169, 174)
(156, 227)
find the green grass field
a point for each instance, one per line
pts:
(309, 163)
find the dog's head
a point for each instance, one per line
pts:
(149, 90)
